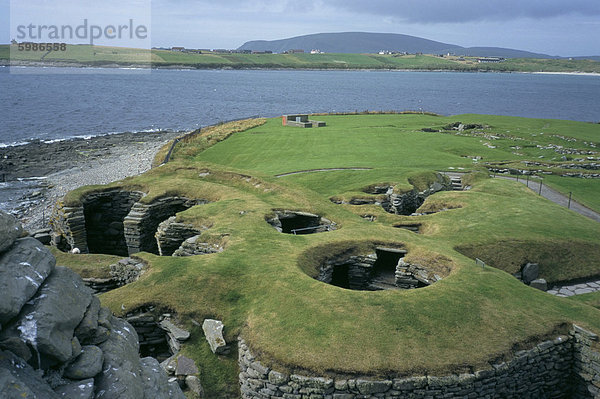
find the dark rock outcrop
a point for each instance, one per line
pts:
(23, 268)
(10, 230)
(56, 341)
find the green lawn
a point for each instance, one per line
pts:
(261, 287)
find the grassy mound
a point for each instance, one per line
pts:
(262, 284)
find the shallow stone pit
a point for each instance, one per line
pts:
(382, 268)
(414, 227)
(297, 222)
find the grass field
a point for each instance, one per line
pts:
(261, 287)
(101, 55)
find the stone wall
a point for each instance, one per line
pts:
(104, 213)
(407, 203)
(568, 366)
(96, 225)
(353, 272)
(142, 222)
(115, 222)
(170, 235)
(404, 203)
(586, 367)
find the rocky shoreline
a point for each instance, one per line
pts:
(40, 172)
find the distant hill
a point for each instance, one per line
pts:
(361, 42)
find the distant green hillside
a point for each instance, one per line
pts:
(117, 56)
(373, 43)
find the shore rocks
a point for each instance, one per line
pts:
(57, 341)
(10, 230)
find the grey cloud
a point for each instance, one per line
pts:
(421, 11)
(424, 11)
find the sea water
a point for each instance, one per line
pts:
(59, 103)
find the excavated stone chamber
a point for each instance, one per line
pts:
(116, 222)
(382, 269)
(297, 222)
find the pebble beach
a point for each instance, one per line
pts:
(48, 171)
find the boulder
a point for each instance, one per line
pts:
(213, 331)
(88, 327)
(23, 268)
(194, 385)
(86, 365)
(540, 284)
(185, 366)
(18, 380)
(156, 385)
(530, 272)
(121, 376)
(10, 230)
(49, 320)
(17, 346)
(77, 390)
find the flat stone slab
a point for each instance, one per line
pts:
(576, 289)
(176, 332)
(213, 330)
(186, 366)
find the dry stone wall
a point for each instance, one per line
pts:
(115, 222)
(170, 235)
(104, 213)
(586, 363)
(568, 366)
(409, 202)
(405, 203)
(96, 225)
(142, 222)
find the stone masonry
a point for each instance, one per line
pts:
(568, 366)
(115, 222)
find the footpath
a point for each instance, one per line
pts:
(556, 197)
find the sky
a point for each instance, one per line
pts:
(554, 27)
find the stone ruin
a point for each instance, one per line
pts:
(115, 222)
(297, 222)
(383, 269)
(405, 203)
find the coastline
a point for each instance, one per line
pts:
(44, 172)
(183, 67)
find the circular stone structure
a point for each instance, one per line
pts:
(373, 268)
